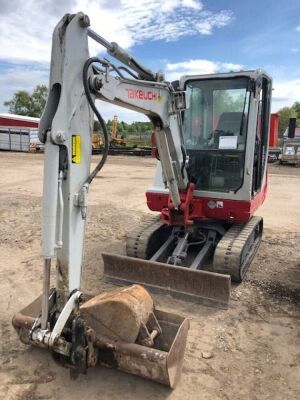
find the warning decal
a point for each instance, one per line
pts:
(76, 149)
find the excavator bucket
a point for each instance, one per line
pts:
(112, 322)
(199, 286)
(161, 363)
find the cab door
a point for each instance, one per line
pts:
(263, 89)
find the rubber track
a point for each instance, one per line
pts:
(137, 240)
(237, 248)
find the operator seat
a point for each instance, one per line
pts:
(229, 125)
(220, 171)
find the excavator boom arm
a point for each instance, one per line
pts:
(66, 125)
(132, 332)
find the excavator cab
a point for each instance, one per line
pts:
(227, 121)
(215, 131)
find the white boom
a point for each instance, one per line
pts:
(66, 125)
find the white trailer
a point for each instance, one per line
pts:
(14, 139)
(19, 133)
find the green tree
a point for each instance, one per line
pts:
(24, 103)
(97, 126)
(133, 129)
(296, 109)
(285, 114)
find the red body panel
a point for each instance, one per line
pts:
(213, 208)
(273, 141)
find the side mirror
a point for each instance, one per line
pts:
(181, 101)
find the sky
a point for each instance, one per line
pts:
(174, 36)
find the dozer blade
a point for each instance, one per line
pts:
(198, 286)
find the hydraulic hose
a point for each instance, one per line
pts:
(98, 115)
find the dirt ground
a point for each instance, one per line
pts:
(255, 343)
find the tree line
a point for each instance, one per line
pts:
(125, 129)
(285, 114)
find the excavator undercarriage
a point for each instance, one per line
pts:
(194, 263)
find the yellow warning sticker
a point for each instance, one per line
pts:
(76, 149)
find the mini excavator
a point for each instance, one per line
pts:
(211, 138)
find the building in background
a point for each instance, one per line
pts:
(19, 133)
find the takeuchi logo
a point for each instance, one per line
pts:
(142, 94)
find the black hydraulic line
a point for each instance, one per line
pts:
(117, 70)
(120, 54)
(98, 115)
(112, 68)
(98, 70)
(128, 71)
(144, 73)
